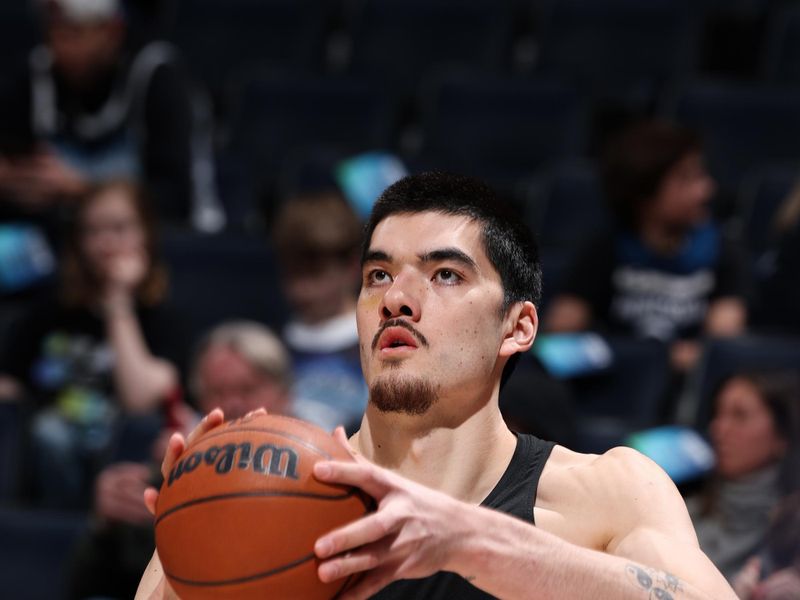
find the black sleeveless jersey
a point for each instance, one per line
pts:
(514, 494)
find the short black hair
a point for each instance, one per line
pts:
(636, 161)
(507, 241)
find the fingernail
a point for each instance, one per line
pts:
(322, 547)
(322, 469)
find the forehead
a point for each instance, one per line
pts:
(417, 233)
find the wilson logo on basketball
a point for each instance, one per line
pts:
(279, 461)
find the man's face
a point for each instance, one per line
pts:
(231, 383)
(429, 319)
(80, 50)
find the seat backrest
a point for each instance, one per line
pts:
(398, 41)
(35, 549)
(742, 126)
(500, 128)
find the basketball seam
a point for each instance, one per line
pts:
(245, 579)
(254, 494)
(294, 438)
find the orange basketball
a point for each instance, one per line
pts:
(240, 512)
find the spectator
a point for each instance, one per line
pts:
(666, 272)
(239, 367)
(775, 573)
(317, 238)
(87, 107)
(755, 433)
(104, 354)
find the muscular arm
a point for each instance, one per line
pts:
(650, 551)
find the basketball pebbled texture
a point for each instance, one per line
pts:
(239, 513)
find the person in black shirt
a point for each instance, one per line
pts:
(666, 272)
(88, 106)
(449, 286)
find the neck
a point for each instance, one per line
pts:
(662, 238)
(465, 460)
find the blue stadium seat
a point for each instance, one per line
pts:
(501, 129)
(34, 551)
(218, 277)
(743, 126)
(278, 116)
(610, 47)
(218, 37)
(398, 41)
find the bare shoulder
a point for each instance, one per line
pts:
(607, 495)
(619, 472)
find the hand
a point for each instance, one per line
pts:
(412, 534)
(118, 493)
(122, 274)
(154, 586)
(175, 447)
(746, 580)
(39, 180)
(684, 355)
(781, 585)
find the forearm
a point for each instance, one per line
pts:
(142, 380)
(511, 559)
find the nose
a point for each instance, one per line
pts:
(400, 300)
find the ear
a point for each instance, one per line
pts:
(522, 323)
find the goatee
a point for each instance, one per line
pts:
(409, 396)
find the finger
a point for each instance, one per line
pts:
(213, 419)
(370, 584)
(150, 499)
(341, 437)
(344, 565)
(366, 530)
(175, 447)
(362, 474)
(256, 412)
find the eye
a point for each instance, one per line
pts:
(447, 277)
(377, 277)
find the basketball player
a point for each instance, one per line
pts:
(447, 302)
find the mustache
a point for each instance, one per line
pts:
(399, 323)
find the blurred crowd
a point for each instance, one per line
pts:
(182, 190)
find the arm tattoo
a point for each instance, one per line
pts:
(658, 584)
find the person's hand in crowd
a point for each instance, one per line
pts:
(39, 180)
(118, 493)
(780, 585)
(684, 355)
(410, 535)
(123, 273)
(746, 580)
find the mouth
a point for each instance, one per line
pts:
(396, 340)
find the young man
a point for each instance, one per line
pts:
(447, 301)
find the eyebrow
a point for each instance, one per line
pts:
(453, 254)
(437, 255)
